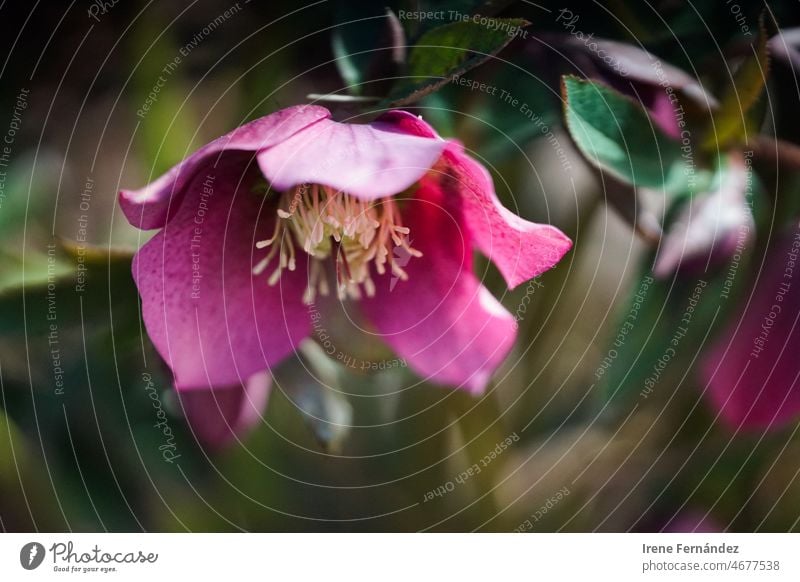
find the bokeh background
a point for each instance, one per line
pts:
(582, 445)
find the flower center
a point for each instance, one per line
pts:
(325, 223)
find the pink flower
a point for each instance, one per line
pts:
(752, 372)
(258, 223)
(712, 227)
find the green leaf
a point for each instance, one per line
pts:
(62, 283)
(33, 271)
(61, 319)
(449, 51)
(616, 135)
(72, 364)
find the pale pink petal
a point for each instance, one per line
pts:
(442, 320)
(213, 322)
(221, 415)
(711, 227)
(152, 206)
(368, 161)
(785, 46)
(521, 249)
(638, 65)
(752, 371)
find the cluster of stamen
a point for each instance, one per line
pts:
(325, 223)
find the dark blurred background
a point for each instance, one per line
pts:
(78, 447)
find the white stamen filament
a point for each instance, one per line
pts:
(322, 222)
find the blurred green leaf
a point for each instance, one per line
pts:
(32, 271)
(66, 285)
(73, 366)
(448, 51)
(616, 135)
(69, 298)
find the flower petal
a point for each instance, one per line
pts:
(211, 320)
(711, 227)
(752, 370)
(152, 206)
(442, 320)
(221, 415)
(368, 161)
(661, 109)
(405, 122)
(521, 249)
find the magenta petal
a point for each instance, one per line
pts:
(752, 371)
(368, 161)
(662, 111)
(405, 122)
(442, 320)
(221, 415)
(520, 249)
(213, 322)
(151, 206)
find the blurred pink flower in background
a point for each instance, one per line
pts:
(661, 88)
(692, 521)
(385, 213)
(752, 370)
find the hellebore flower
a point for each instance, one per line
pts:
(711, 228)
(258, 223)
(751, 371)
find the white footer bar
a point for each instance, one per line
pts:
(401, 557)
